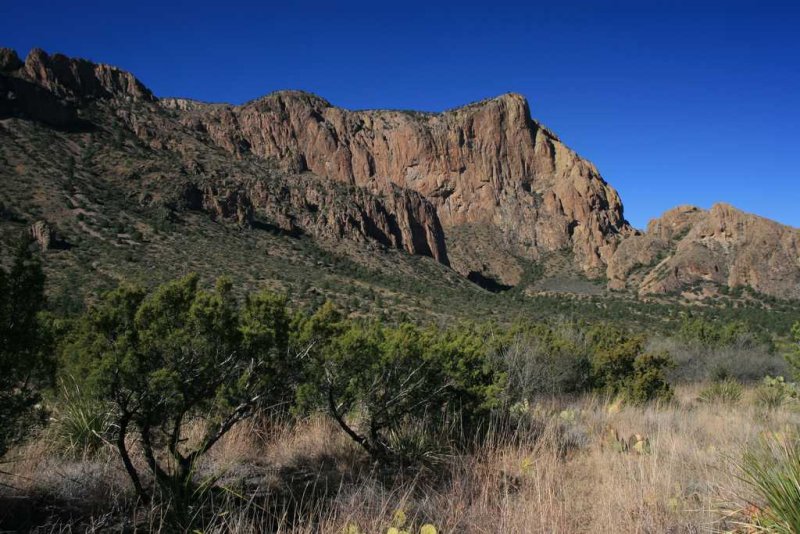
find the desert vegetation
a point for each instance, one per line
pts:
(192, 406)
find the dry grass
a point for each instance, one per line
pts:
(308, 477)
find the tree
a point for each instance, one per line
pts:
(179, 354)
(374, 380)
(371, 379)
(793, 350)
(25, 363)
(620, 365)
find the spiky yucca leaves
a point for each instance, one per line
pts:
(772, 470)
(728, 391)
(80, 424)
(775, 392)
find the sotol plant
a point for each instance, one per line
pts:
(772, 470)
(727, 391)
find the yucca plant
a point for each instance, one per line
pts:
(772, 470)
(80, 423)
(727, 391)
(416, 443)
(770, 398)
(774, 392)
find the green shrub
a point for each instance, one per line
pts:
(772, 470)
(621, 367)
(25, 364)
(774, 392)
(717, 334)
(728, 391)
(648, 381)
(377, 381)
(792, 354)
(176, 354)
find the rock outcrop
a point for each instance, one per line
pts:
(394, 217)
(73, 79)
(46, 237)
(487, 163)
(723, 246)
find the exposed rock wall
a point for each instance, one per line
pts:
(394, 217)
(73, 79)
(486, 163)
(722, 246)
(484, 179)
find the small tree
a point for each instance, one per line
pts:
(792, 354)
(176, 355)
(375, 380)
(620, 366)
(25, 364)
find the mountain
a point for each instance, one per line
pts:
(486, 165)
(691, 250)
(110, 178)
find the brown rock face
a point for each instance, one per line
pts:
(722, 246)
(394, 217)
(488, 163)
(9, 60)
(48, 88)
(46, 237)
(79, 79)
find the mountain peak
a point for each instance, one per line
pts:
(9, 60)
(78, 79)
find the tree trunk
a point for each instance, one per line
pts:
(126, 458)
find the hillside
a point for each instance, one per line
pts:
(477, 211)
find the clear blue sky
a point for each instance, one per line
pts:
(675, 102)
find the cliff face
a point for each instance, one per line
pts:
(49, 89)
(392, 217)
(79, 79)
(487, 163)
(481, 188)
(688, 247)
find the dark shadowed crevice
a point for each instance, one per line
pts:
(486, 282)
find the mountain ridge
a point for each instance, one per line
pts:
(482, 188)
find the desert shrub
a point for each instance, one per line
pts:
(774, 392)
(178, 353)
(710, 334)
(621, 367)
(792, 353)
(727, 391)
(544, 360)
(648, 381)
(772, 470)
(715, 350)
(475, 384)
(25, 364)
(698, 363)
(377, 381)
(373, 379)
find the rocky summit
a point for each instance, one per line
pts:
(484, 190)
(689, 247)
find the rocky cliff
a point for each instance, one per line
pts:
(487, 163)
(689, 248)
(484, 188)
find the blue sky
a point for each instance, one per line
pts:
(675, 102)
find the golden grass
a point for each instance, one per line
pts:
(570, 479)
